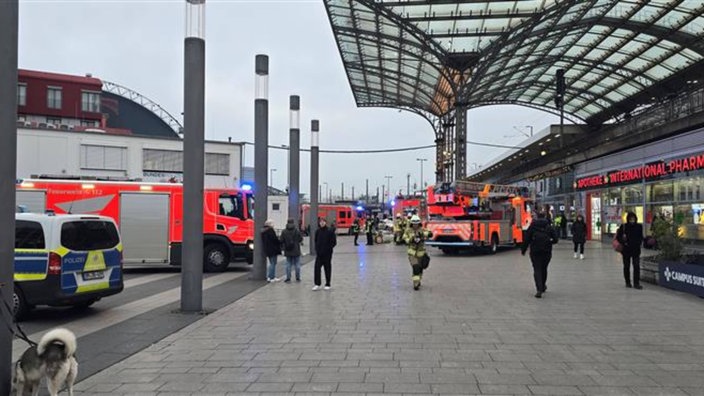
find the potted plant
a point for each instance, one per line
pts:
(671, 267)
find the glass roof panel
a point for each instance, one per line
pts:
(394, 50)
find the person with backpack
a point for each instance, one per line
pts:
(579, 236)
(630, 236)
(291, 239)
(539, 238)
(272, 249)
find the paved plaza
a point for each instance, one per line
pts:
(473, 328)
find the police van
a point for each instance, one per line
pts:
(65, 260)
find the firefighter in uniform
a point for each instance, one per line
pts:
(398, 229)
(355, 231)
(415, 237)
(369, 230)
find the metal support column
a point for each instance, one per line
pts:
(261, 162)
(294, 159)
(314, 164)
(460, 153)
(193, 157)
(9, 15)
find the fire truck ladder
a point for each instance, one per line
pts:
(489, 190)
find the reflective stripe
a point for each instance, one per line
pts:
(61, 251)
(30, 277)
(93, 287)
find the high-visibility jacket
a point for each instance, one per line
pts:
(415, 239)
(369, 226)
(398, 225)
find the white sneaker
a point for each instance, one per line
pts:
(272, 280)
(575, 255)
(316, 288)
(581, 257)
(327, 288)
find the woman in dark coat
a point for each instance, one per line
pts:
(579, 236)
(630, 235)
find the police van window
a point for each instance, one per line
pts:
(28, 235)
(89, 235)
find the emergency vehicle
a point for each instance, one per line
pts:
(477, 215)
(413, 205)
(342, 215)
(150, 217)
(64, 260)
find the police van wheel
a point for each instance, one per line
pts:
(20, 308)
(216, 258)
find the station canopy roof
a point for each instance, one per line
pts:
(429, 55)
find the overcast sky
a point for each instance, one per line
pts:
(139, 44)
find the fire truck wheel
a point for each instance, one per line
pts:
(216, 258)
(20, 308)
(494, 244)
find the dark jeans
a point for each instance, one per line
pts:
(370, 238)
(324, 261)
(356, 236)
(579, 245)
(540, 270)
(627, 258)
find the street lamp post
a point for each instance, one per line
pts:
(261, 162)
(388, 189)
(314, 186)
(193, 157)
(422, 185)
(294, 154)
(9, 16)
(327, 192)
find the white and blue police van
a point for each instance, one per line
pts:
(65, 260)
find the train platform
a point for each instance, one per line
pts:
(474, 327)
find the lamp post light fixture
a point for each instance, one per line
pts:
(261, 161)
(422, 185)
(314, 186)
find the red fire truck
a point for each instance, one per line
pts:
(150, 217)
(405, 205)
(477, 215)
(342, 215)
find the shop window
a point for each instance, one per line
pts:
(613, 197)
(633, 195)
(690, 189)
(661, 192)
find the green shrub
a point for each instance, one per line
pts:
(668, 239)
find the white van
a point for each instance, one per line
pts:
(65, 260)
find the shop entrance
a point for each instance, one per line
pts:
(595, 217)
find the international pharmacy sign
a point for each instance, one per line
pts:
(647, 172)
(683, 277)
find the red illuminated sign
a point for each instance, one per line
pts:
(651, 171)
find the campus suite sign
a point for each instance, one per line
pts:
(683, 277)
(650, 171)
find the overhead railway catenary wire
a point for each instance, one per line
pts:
(391, 150)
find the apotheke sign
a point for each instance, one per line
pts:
(651, 171)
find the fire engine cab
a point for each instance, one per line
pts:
(150, 217)
(469, 215)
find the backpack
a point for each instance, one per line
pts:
(542, 241)
(288, 243)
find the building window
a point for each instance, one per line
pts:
(52, 120)
(90, 102)
(217, 164)
(162, 160)
(21, 94)
(103, 157)
(53, 97)
(87, 123)
(275, 206)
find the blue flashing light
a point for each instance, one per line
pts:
(393, 203)
(246, 187)
(359, 208)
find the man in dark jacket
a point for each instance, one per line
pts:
(355, 230)
(291, 239)
(369, 230)
(579, 236)
(630, 235)
(325, 241)
(539, 238)
(272, 249)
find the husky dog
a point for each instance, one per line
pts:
(53, 358)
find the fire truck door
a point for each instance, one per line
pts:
(144, 225)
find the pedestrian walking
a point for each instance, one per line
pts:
(539, 238)
(630, 236)
(291, 239)
(272, 249)
(579, 236)
(415, 237)
(355, 231)
(325, 241)
(369, 230)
